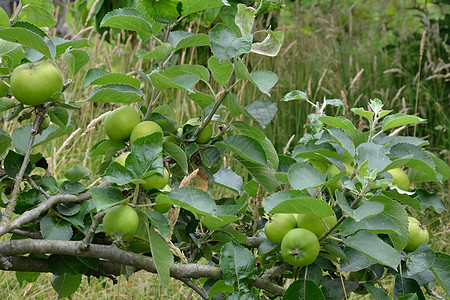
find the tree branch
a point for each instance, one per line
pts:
(95, 222)
(34, 213)
(196, 288)
(34, 264)
(122, 257)
(12, 202)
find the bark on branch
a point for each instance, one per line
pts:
(120, 257)
(43, 207)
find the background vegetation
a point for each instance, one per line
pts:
(396, 50)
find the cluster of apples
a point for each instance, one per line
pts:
(298, 235)
(125, 123)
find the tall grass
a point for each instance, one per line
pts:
(349, 50)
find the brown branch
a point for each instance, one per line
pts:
(122, 257)
(256, 207)
(7, 214)
(33, 214)
(95, 222)
(35, 186)
(196, 288)
(28, 234)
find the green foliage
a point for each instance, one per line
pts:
(218, 208)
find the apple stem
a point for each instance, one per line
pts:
(136, 194)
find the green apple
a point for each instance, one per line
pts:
(320, 166)
(300, 247)
(143, 129)
(156, 181)
(120, 122)
(121, 222)
(315, 224)
(35, 83)
(206, 133)
(400, 178)
(278, 225)
(417, 234)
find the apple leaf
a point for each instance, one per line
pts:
(226, 44)
(192, 199)
(229, 179)
(110, 78)
(356, 260)
(441, 269)
(397, 120)
(245, 18)
(128, 19)
(340, 122)
(342, 139)
(305, 205)
(177, 154)
(159, 53)
(374, 247)
(221, 71)
(38, 12)
(4, 19)
(178, 70)
(303, 175)
(366, 209)
(361, 112)
(246, 147)
(262, 174)
(105, 197)
(146, 156)
(262, 111)
(273, 200)
(5, 141)
(302, 290)
(376, 293)
(374, 154)
(397, 213)
(196, 40)
(202, 99)
(116, 93)
(52, 229)
(295, 95)
(261, 138)
(27, 37)
(271, 45)
(430, 200)
(238, 265)
(264, 81)
(65, 285)
(376, 224)
(77, 173)
(76, 59)
(162, 257)
(191, 6)
(406, 286)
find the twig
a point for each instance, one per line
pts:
(433, 293)
(35, 186)
(95, 222)
(256, 207)
(28, 234)
(215, 108)
(12, 202)
(195, 287)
